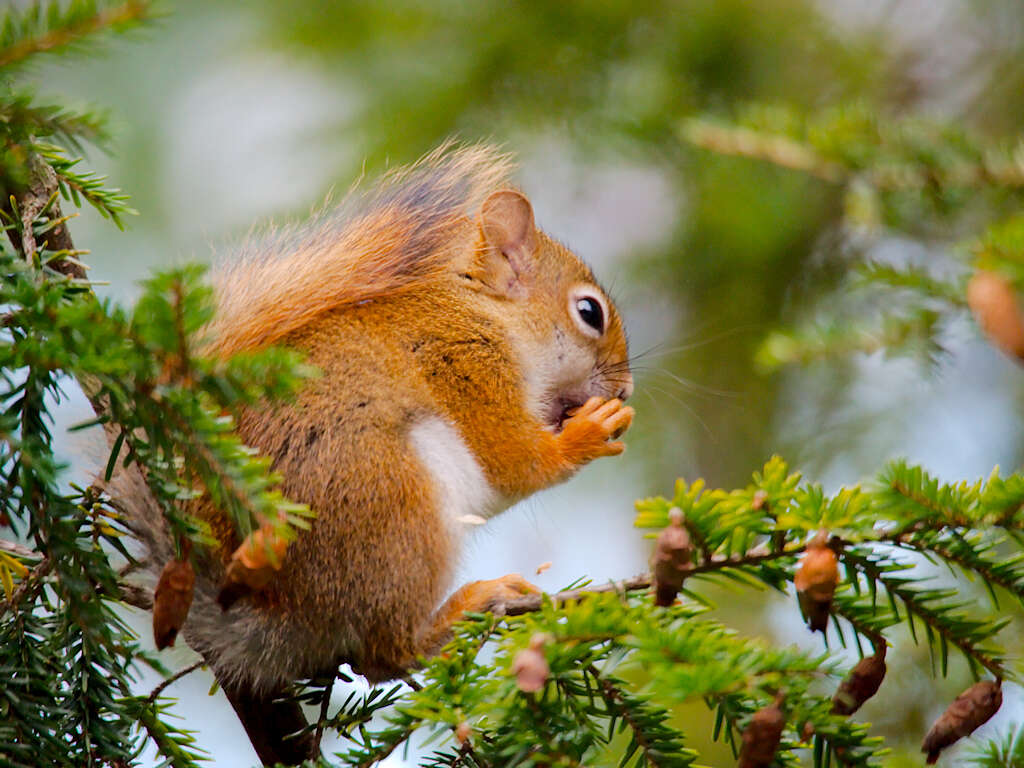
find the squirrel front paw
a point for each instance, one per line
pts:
(586, 433)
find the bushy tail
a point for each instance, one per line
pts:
(377, 242)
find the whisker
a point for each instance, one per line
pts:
(687, 347)
(689, 409)
(696, 388)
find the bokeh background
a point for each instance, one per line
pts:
(227, 115)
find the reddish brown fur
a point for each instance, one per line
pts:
(378, 553)
(381, 242)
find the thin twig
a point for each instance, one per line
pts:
(466, 750)
(613, 697)
(155, 694)
(412, 683)
(42, 191)
(18, 550)
(754, 556)
(530, 603)
(779, 150)
(135, 596)
(32, 581)
(915, 606)
(40, 195)
(788, 153)
(386, 753)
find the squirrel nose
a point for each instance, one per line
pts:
(626, 390)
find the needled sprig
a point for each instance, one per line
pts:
(68, 700)
(879, 535)
(29, 127)
(45, 26)
(176, 404)
(1003, 751)
(149, 369)
(76, 185)
(899, 176)
(586, 706)
(853, 145)
(69, 653)
(875, 531)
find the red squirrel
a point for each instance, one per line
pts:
(466, 361)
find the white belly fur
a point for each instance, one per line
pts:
(464, 496)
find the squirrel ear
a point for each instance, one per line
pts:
(510, 239)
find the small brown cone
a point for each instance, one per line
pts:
(861, 684)
(816, 581)
(530, 667)
(807, 732)
(253, 564)
(994, 304)
(762, 735)
(463, 732)
(171, 601)
(969, 710)
(671, 559)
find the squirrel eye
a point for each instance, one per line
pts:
(591, 313)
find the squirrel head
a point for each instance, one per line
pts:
(568, 333)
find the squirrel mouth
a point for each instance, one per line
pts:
(561, 409)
